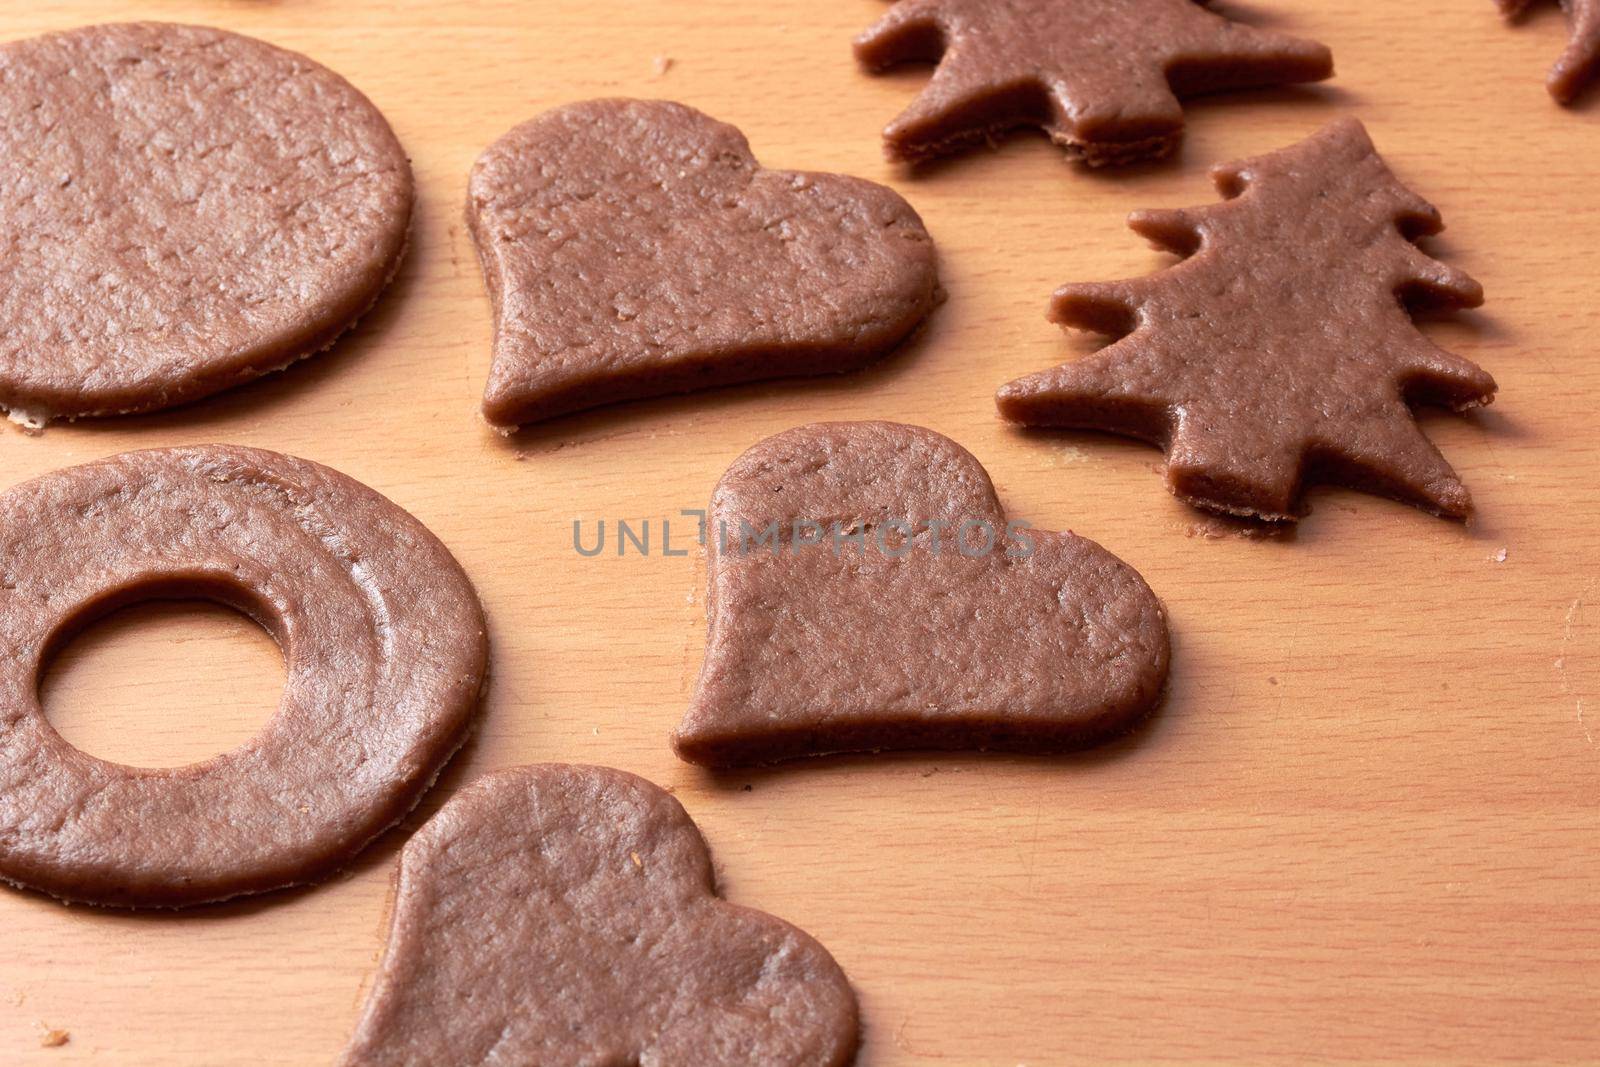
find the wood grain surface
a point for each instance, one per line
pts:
(1366, 825)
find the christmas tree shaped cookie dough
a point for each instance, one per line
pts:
(1281, 350)
(1580, 63)
(1101, 77)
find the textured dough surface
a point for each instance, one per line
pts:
(1580, 62)
(1101, 77)
(564, 915)
(1280, 351)
(381, 632)
(185, 209)
(636, 248)
(813, 651)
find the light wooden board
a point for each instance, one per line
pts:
(1366, 825)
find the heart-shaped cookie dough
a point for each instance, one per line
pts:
(831, 631)
(636, 248)
(561, 915)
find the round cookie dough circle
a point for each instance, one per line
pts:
(383, 640)
(185, 209)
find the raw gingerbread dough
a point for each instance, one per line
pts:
(185, 209)
(818, 644)
(1280, 352)
(636, 248)
(381, 633)
(562, 915)
(1101, 77)
(1579, 64)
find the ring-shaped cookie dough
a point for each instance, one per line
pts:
(383, 639)
(185, 209)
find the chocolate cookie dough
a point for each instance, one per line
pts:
(636, 248)
(561, 915)
(1281, 351)
(1580, 63)
(867, 592)
(381, 632)
(185, 209)
(1101, 77)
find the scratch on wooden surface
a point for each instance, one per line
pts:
(1573, 612)
(903, 1042)
(1288, 672)
(1030, 858)
(694, 630)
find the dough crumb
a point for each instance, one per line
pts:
(1500, 556)
(54, 1039)
(662, 64)
(1072, 454)
(28, 422)
(1211, 527)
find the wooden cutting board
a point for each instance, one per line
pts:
(1366, 825)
